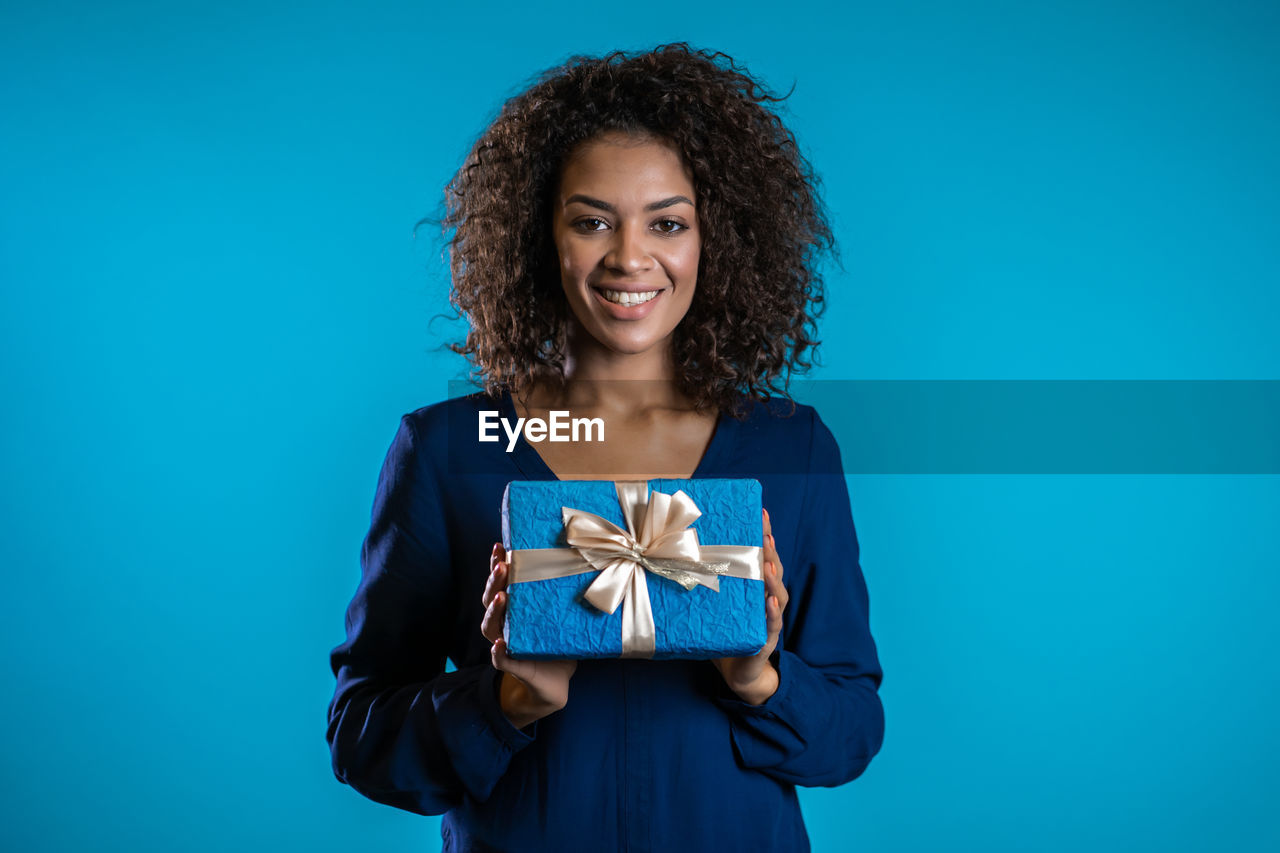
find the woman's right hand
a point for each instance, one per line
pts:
(531, 689)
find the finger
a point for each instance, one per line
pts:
(491, 625)
(496, 583)
(498, 654)
(774, 586)
(772, 593)
(774, 610)
(770, 579)
(773, 624)
(491, 585)
(770, 544)
(489, 588)
(521, 669)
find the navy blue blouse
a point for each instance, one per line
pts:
(646, 755)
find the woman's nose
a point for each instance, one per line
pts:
(628, 252)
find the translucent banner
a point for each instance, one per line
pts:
(974, 427)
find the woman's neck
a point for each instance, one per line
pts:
(605, 381)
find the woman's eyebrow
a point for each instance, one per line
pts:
(669, 202)
(608, 208)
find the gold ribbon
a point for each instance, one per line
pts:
(657, 539)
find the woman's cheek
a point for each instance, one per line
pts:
(684, 264)
(574, 265)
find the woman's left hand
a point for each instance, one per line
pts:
(754, 678)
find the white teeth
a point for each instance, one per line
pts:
(622, 297)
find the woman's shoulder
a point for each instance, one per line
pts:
(433, 421)
(792, 434)
(777, 416)
(775, 408)
(438, 435)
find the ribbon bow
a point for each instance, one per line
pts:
(657, 539)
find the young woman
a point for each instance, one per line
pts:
(634, 239)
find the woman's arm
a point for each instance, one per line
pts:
(401, 730)
(825, 721)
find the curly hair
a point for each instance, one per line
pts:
(751, 323)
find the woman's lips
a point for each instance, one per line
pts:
(629, 312)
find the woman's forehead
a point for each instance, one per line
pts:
(637, 168)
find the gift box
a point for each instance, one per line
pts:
(659, 569)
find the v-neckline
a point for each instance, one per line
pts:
(534, 467)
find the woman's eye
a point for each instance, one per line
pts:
(590, 224)
(669, 226)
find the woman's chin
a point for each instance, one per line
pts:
(630, 345)
(634, 347)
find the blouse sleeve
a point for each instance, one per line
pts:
(401, 730)
(825, 722)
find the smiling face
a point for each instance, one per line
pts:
(626, 231)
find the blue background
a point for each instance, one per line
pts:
(214, 313)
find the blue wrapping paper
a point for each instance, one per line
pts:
(550, 619)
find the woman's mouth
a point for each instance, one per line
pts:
(625, 297)
(628, 305)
